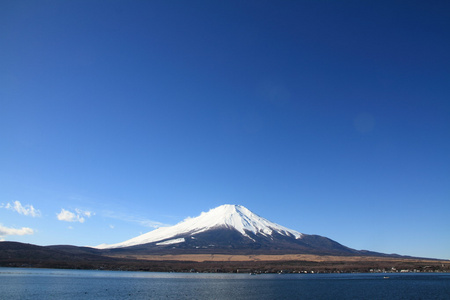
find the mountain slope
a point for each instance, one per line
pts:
(20, 254)
(227, 229)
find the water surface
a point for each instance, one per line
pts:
(16, 283)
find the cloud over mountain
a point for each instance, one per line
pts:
(26, 210)
(4, 231)
(77, 216)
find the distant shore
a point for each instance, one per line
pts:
(317, 265)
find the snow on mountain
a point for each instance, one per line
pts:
(225, 216)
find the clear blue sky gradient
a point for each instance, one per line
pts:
(327, 117)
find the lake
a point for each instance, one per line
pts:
(18, 283)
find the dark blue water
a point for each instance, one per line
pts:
(76, 284)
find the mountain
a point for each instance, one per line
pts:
(233, 217)
(20, 254)
(229, 238)
(229, 229)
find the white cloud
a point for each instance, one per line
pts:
(4, 231)
(150, 223)
(84, 212)
(27, 210)
(77, 216)
(68, 216)
(134, 219)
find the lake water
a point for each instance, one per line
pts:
(16, 283)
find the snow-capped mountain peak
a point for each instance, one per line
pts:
(235, 217)
(243, 220)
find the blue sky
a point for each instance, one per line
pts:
(327, 117)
